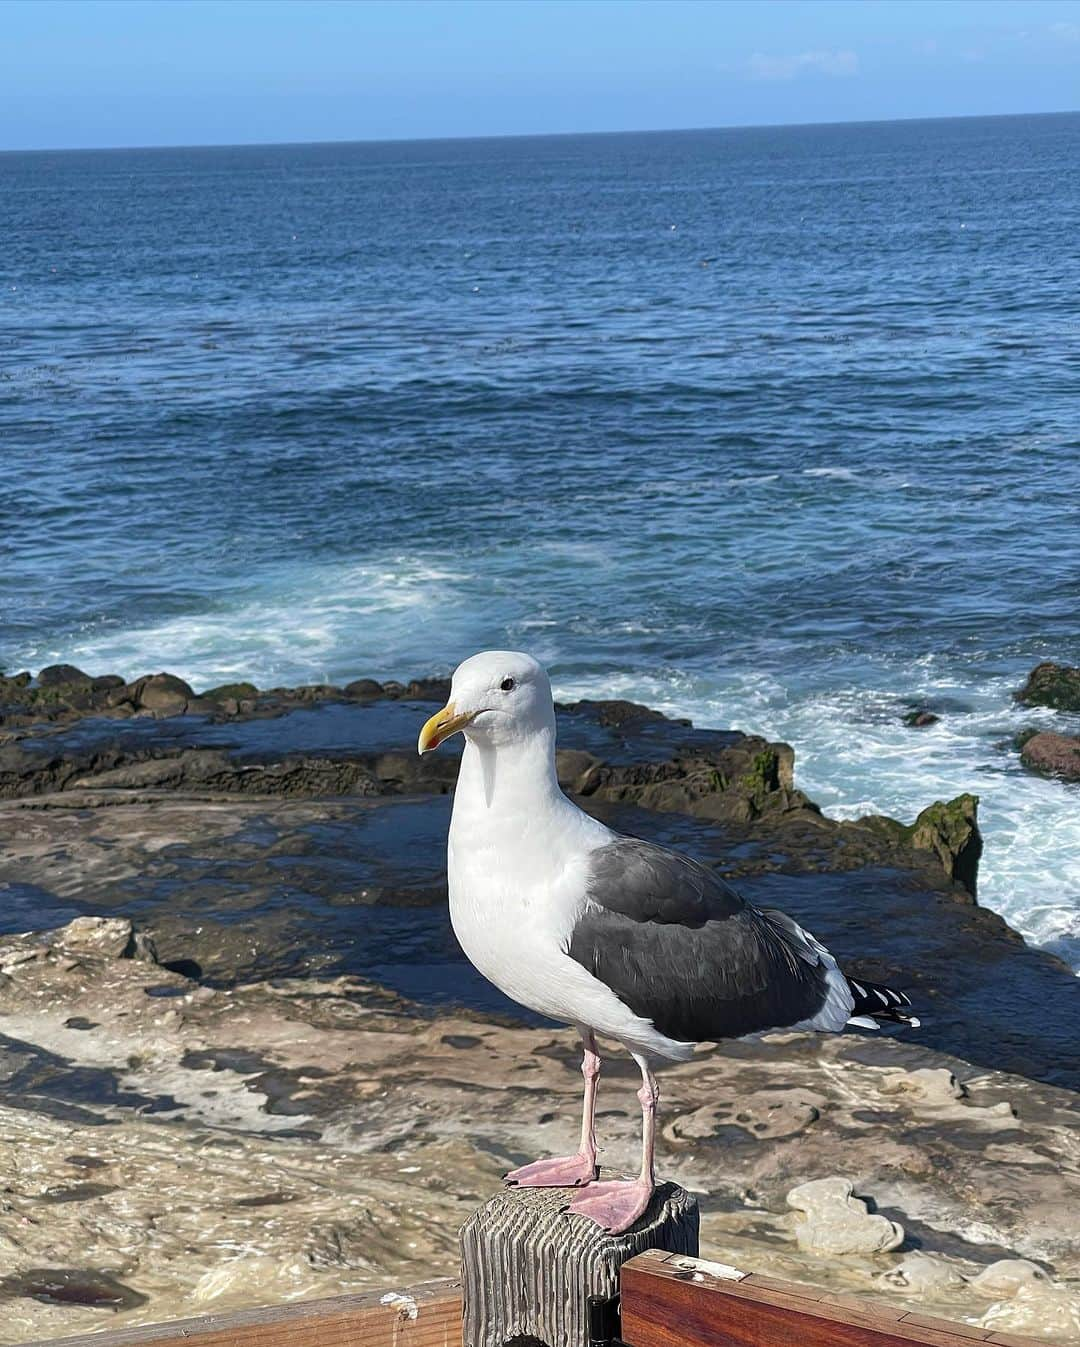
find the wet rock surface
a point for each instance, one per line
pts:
(244, 1058)
(1054, 685)
(1053, 754)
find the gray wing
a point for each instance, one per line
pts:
(677, 944)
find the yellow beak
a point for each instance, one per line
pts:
(441, 726)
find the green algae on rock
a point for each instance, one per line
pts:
(948, 828)
(1054, 685)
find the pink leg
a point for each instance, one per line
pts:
(570, 1171)
(618, 1203)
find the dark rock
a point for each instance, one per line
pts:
(615, 714)
(203, 706)
(574, 766)
(918, 718)
(735, 778)
(948, 830)
(316, 692)
(429, 690)
(363, 689)
(60, 675)
(234, 692)
(142, 947)
(72, 1286)
(60, 692)
(1053, 685)
(951, 830)
(161, 694)
(205, 769)
(1053, 754)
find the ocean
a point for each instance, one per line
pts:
(775, 428)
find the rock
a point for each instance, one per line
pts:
(948, 829)
(1053, 754)
(764, 1115)
(833, 1221)
(17, 958)
(723, 777)
(615, 714)
(340, 1244)
(142, 947)
(942, 1097)
(60, 691)
(107, 937)
(573, 766)
(932, 1084)
(61, 675)
(1050, 1310)
(919, 718)
(363, 689)
(162, 694)
(1053, 685)
(316, 692)
(429, 690)
(232, 692)
(1008, 1276)
(924, 1274)
(951, 831)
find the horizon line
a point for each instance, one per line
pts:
(533, 135)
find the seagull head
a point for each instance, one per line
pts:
(497, 698)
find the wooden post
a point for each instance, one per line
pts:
(529, 1267)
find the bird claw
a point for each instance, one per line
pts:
(567, 1171)
(614, 1205)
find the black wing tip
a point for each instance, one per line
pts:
(879, 1004)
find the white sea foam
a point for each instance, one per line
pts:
(845, 474)
(301, 625)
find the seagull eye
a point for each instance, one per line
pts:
(508, 685)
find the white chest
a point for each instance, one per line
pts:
(516, 870)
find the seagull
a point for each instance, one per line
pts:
(610, 934)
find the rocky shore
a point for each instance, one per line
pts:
(243, 1058)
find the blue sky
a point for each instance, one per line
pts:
(159, 72)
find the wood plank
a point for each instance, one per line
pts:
(341, 1321)
(969, 1331)
(669, 1304)
(790, 1288)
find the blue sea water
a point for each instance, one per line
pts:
(776, 428)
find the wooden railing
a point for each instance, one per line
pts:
(421, 1316)
(667, 1301)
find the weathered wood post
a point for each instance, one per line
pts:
(529, 1267)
